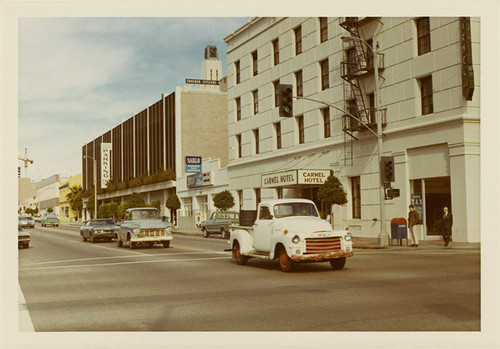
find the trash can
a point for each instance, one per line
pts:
(399, 230)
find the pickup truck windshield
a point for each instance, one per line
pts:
(144, 214)
(295, 209)
(102, 222)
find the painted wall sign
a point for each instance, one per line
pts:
(467, 68)
(199, 179)
(202, 82)
(193, 164)
(105, 164)
(294, 177)
(418, 204)
(312, 176)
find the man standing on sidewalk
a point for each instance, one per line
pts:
(412, 221)
(446, 227)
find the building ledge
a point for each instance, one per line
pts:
(141, 189)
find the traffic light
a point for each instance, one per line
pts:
(285, 100)
(387, 169)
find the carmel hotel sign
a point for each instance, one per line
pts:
(294, 177)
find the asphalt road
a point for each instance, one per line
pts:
(194, 285)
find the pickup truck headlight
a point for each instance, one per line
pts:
(296, 239)
(347, 237)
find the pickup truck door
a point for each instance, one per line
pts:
(262, 230)
(211, 222)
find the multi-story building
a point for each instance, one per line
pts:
(429, 111)
(66, 213)
(191, 121)
(27, 192)
(48, 193)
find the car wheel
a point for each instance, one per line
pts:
(166, 244)
(338, 263)
(92, 238)
(286, 264)
(27, 245)
(224, 233)
(119, 242)
(131, 244)
(240, 259)
(206, 234)
(84, 238)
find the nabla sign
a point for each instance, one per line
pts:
(105, 164)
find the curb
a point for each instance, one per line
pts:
(24, 322)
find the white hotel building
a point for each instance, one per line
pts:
(429, 101)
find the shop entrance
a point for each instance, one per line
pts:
(437, 194)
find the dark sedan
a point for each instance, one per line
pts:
(26, 222)
(98, 229)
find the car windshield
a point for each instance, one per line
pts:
(228, 215)
(295, 209)
(144, 214)
(102, 222)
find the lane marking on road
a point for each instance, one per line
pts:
(356, 252)
(123, 263)
(115, 257)
(197, 249)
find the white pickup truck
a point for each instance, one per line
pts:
(290, 230)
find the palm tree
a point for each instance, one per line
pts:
(75, 199)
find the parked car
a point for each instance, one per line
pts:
(98, 229)
(23, 237)
(26, 222)
(142, 225)
(49, 218)
(37, 219)
(219, 223)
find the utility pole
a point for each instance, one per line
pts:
(26, 161)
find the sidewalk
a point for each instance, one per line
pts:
(24, 323)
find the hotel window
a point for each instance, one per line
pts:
(323, 29)
(298, 80)
(238, 108)
(276, 84)
(237, 67)
(325, 82)
(276, 51)
(255, 102)
(369, 53)
(277, 127)
(423, 35)
(256, 137)
(240, 198)
(298, 40)
(351, 60)
(254, 63)
(371, 109)
(326, 122)
(356, 197)
(300, 124)
(426, 95)
(352, 108)
(279, 192)
(238, 146)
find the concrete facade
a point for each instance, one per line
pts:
(48, 194)
(437, 155)
(66, 213)
(27, 192)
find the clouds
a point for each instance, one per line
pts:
(80, 77)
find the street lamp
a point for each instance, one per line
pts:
(383, 237)
(95, 183)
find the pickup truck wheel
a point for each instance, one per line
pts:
(206, 234)
(338, 263)
(286, 264)
(131, 244)
(166, 244)
(119, 242)
(240, 259)
(224, 233)
(84, 238)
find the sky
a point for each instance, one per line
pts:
(80, 77)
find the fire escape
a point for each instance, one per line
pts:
(357, 65)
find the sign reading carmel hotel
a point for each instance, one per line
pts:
(105, 164)
(293, 177)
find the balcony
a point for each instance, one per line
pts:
(369, 119)
(352, 68)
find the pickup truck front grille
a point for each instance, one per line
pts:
(151, 233)
(323, 245)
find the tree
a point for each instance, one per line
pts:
(173, 203)
(155, 204)
(113, 209)
(223, 200)
(332, 192)
(75, 199)
(136, 200)
(122, 208)
(91, 205)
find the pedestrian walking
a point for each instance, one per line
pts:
(412, 221)
(446, 225)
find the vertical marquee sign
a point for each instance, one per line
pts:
(105, 161)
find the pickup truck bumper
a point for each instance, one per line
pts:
(152, 239)
(321, 257)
